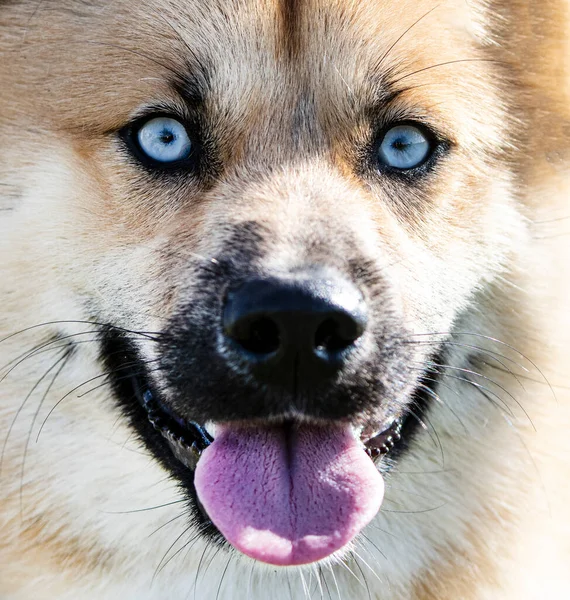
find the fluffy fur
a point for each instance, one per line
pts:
(472, 256)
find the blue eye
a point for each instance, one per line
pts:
(164, 140)
(404, 147)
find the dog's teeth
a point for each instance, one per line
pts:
(187, 455)
(210, 427)
(373, 452)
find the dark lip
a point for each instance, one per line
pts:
(188, 439)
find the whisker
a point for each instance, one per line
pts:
(167, 523)
(434, 437)
(248, 589)
(51, 348)
(547, 221)
(122, 378)
(392, 501)
(503, 411)
(63, 360)
(164, 561)
(289, 584)
(319, 585)
(139, 510)
(304, 584)
(374, 526)
(375, 546)
(324, 580)
(439, 444)
(554, 385)
(187, 546)
(391, 486)
(476, 374)
(22, 405)
(343, 565)
(43, 346)
(206, 547)
(437, 366)
(192, 541)
(360, 557)
(414, 512)
(435, 472)
(443, 64)
(149, 334)
(437, 398)
(497, 341)
(385, 55)
(38, 349)
(363, 577)
(503, 406)
(223, 575)
(309, 583)
(335, 583)
(122, 368)
(491, 353)
(211, 561)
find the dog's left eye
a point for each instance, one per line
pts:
(404, 147)
(164, 140)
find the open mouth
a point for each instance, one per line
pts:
(188, 439)
(286, 493)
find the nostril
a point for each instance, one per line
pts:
(259, 335)
(275, 324)
(337, 333)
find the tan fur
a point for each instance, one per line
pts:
(292, 86)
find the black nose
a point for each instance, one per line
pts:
(285, 328)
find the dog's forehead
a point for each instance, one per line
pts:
(320, 45)
(267, 55)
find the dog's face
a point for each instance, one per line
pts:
(264, 207)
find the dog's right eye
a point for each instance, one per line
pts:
(162, 140)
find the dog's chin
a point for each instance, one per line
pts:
(320, 467)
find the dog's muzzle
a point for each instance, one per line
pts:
(273, 394)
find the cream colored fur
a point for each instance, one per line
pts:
(482, 511)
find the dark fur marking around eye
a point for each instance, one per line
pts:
(194, 86)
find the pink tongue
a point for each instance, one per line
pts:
(288, 497)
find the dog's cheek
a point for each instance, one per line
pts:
(114, 247)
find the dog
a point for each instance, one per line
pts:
(283, 303)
